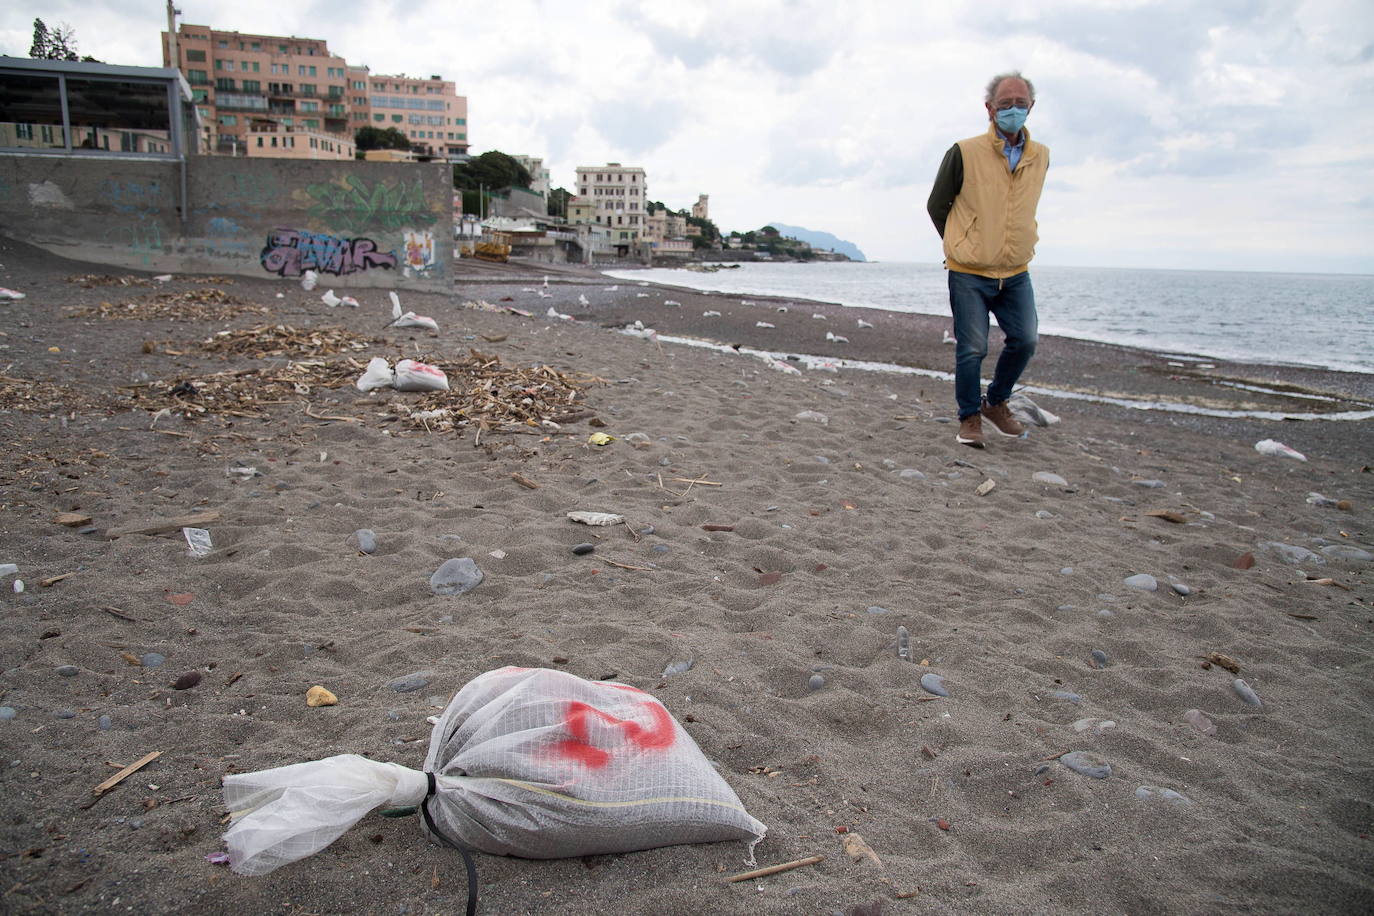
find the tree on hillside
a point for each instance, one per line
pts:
(366, 138)
(57, 43)
(709, 235)
(558, 202)
(491, 170)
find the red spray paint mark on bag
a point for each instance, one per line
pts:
(579, 716)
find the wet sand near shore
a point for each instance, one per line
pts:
(1087, 596)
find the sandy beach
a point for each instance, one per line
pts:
(780, 528)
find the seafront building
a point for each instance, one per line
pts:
(251, 87)
(539, 176)
(615, 196)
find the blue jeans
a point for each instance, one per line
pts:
(1012, 301)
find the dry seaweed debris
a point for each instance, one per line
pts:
(38, 396)
(492, 396)
(279, 340)
(246, 392)
(210, 304)
(90, 281)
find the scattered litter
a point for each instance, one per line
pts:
(865, 324)
(763, 324)
(582, 299)
(378, 374)
(198, 540)
(1030, 413)
(818, 316)
(836, 337)
(779, 365)
(409, 319)
(163, 278)
(6, 293)
(600, 439)
(1277, 449)
(412, 375)
(667, 301)
(309, 279)
(217, 858)
(554, 313)
(712, 313)
(596, 518)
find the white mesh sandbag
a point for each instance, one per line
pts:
(552, 765)
(524, 761)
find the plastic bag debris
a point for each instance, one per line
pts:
(836, 337)
(779, 365)
(6, 293)
(332, 300)
(309, 279)
(596, 518)
(378, 374)
(198, 540)
(412, 375)
(1278, 449)
(409, 319)
(526, 761)
(163, 278)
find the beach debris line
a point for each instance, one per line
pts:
(282, 340)
(334, 301)
(211, 304)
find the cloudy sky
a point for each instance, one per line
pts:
(1226, 134)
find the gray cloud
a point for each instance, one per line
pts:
(636, 126)
(782, 45)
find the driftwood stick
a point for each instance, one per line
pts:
(774, 869)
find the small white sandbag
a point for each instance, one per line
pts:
(417, 376)
(525, 761)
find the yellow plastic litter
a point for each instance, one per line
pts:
(600, 439)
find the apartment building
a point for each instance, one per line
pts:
(298, 143)
(618, 195)
(242, 82)
(428, 111)
(539, 176)
(262, 84)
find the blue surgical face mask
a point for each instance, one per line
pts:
(1012, 120)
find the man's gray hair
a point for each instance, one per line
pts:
(1010, 75)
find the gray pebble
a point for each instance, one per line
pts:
(876, 609)
(153, 660)
(411, 682)
(1245, 693)
(1347, 552)
(1087, 764)
(934, 683)
(450, 537)
(1067, 695)
(135, 824)
(1154, 793)
(1149, 484)
(104, 723)
(1053, 480)
(1105, 612)
(65, 714)
(647, 530)
(911, 474)
(816, 682)
(1180, 588)
(664, 462)
(1064, 607)
(659, 548)
(1066, 571)
(1044, 513)
(393, 715)
(1101, 658)
(889, 464)
(1042, 769)
(455, 577)
(447, 618)
(821, 459)
(583, 549)
(7, 713)
(68, 671)
(365, 539)
(1143, 581)
(1294, 555)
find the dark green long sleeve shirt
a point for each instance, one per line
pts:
(949, 181)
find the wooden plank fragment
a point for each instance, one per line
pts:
(194, 520)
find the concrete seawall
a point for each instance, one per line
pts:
(364, 224)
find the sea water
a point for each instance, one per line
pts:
(1322, 320)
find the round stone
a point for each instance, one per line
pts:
(816, 682)
(1143, 581)
(934, 683)
(68, 671)
(153, 660)
(455, 577)
(583, 549)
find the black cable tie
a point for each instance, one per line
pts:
(462, 849)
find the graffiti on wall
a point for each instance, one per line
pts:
(355, 206)
(291, 252)
(419, 247)
(139, 206)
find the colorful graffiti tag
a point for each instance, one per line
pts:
(356, 206)
(291, 252)
(419, 250)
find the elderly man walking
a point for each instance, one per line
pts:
(983, 205)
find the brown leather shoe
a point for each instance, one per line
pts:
(971, 431)
(999, 415)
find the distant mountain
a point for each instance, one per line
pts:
(821, 240)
